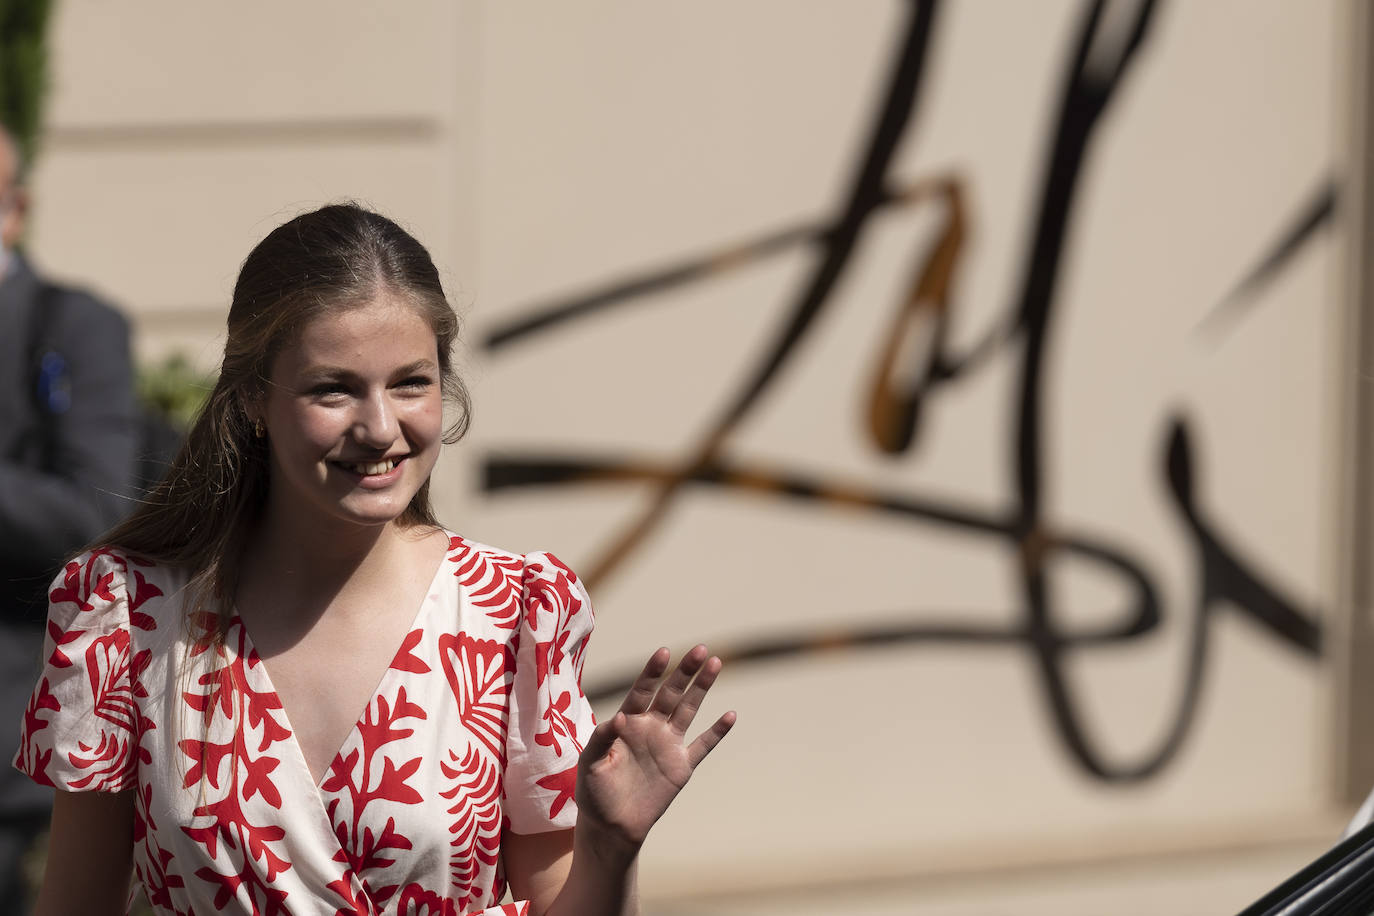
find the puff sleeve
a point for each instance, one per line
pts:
(79, 732)
(550, 718)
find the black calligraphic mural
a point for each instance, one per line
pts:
(918, 364)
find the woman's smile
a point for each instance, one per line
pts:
(373, 473)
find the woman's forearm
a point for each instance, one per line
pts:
(603, 878)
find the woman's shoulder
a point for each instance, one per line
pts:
(117, 562)
(535, 564)
(110, 576)
(512, 587)
(460, 546)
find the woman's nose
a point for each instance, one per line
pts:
(375, 424)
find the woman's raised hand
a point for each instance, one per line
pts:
(636, 762)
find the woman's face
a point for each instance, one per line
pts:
(354, 414)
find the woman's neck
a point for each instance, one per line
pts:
(299, 562)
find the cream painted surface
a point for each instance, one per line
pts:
(543, 150)
(201, 210)
(159, 63)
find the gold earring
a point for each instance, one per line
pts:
(259, 428)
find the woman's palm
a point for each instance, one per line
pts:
(636, 762)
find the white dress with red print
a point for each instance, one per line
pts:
(477, 724)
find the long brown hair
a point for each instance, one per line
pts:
(337, 257)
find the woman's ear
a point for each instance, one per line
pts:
(254, 410)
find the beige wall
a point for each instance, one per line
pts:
(544, 150)
(179, 136)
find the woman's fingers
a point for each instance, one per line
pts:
(669, 695)
(677, 699)
(642, 693)
(689, 700)
(707, 740)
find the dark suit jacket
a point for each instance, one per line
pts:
(49, 508)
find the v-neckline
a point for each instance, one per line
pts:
(253, 660)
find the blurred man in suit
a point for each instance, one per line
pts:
(68, 437)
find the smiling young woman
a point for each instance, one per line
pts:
(282, 686)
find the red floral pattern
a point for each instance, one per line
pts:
(475, 726)
(492, 578)
(551, 731)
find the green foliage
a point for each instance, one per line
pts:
(174, 389)
(23, 68)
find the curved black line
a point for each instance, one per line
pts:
(1143, 611)
(877, 636)
(1316, 214)
(1223, 581)
(866, 195)
(547, 316)
(1086, 95)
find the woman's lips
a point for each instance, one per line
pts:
(369, 468)
(378, 471)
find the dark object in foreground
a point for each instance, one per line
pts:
(1340, 882)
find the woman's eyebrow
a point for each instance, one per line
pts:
(420, 365)
(327, 372)
(344, 372)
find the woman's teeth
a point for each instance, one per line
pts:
(371, 468)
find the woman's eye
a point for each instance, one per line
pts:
(328, 388)
(417, 381)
